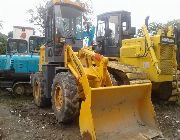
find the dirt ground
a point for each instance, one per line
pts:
(20, 119)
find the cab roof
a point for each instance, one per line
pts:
(77, 5)
(114, 13)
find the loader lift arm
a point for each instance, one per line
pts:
(95, 75)
(127, 105)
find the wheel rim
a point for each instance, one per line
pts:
(19, 90)
(37, 91)
(58, 98)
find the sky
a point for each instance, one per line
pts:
(14, 12)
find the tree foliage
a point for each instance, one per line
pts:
(88, 5)
(10, 34)
(37, 16)
(174, 23)
(154, 27)
(3, 43)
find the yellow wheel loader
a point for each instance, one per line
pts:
(80, 84)
(137, 60)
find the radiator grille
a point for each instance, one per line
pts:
(166, 67)
(166, 59)
(166, 52)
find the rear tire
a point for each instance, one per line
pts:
(38, 91)
(18, 89)
(64, 101)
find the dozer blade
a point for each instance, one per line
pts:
(119, 113)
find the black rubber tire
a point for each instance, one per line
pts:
(38, 82)
(69, 108)
(18, 89)
(28, 90)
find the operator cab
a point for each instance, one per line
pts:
(63, 25)
(35, 43)
(17, 46)
(112, 28)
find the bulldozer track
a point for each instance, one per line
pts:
(127, 74)
(176, 79)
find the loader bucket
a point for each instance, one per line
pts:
(119, 113)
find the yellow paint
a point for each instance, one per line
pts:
(42, 57)
(75, 4)
(158, 60)
(110, 112)
(58, 98)
(114, 113)
(107, 112)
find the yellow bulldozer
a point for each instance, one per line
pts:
(76, 82)
(137, 60)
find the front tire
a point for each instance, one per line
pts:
(64, 100)
(38, 91)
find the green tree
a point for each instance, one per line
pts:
(174, 23)
(89, 14)
(3, 43)
(153, 27)
(10, 34)
(37, 16)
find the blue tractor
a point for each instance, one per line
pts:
(20, 61)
